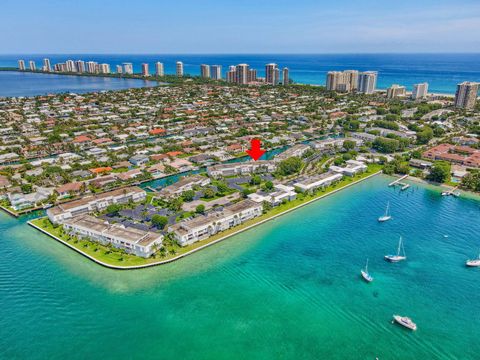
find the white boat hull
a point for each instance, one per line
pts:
(366, 276)
(405, 322)
(395, 258)
(473, 263)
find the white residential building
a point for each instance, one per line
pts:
(367, 82)
(205, 71)
(282, 193)
(97, 202)
(420, 91)
(128, 68)
(159, 69)
(184, 184)
(202, 227)
(318, 181)
(244, 168)
(352, 168)
(216, 72)
(133, 241)
(179, 68)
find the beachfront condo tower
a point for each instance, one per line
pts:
(396, 91)
(80, 64)
(128, 68)
(46, 65)
(216, 72)
(367, 82)
(241, 74)
(342, 81)
(159, 69)
(286, 76)
(272, 74)
(32, 65)
(466, 95)
(21, 65)
(179, 68)
(420, 91)
(205, 71)
(145, 71)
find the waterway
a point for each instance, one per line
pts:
(288, 289)
(13, 83)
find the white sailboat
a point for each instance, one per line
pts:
(365, 275)
(474, 262)
(398, 257)
(387, 216)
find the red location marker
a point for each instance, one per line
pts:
(255, 152)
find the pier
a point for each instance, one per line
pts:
(404, 186)
(452, 191)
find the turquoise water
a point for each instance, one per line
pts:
(289, 289)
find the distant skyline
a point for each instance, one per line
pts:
(234, 27)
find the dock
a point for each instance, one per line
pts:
(404, 186)
(452, 191)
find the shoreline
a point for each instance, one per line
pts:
(438, 186)
(175, 258)
(157, 79)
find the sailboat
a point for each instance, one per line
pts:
(474, 262)
(365, 275)
(398, 257)
(387, 216)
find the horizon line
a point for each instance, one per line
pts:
(248, 53)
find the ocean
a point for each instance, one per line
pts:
(288, 289)
(442, 71)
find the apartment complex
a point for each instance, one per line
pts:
(396, 91)
(97, 202)
(159, 71)
(272, 74)
(133, 241)
(420, 91)
(463, 155)
(184, 184)
(202, 227)
(205, 71)
(250, 167)
(466, 95)
(179, 68)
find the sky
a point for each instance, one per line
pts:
(238, 26)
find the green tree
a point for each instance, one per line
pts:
(159, 221)
(176, 204)
(200, 209)
(349, 145)
(255, 180)
(424, 136)
(209, 193)
(268, 186)
(188, 195)
(26, 188)
(440, 172)
(290, 166)
(386, 145)
(113, 209)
